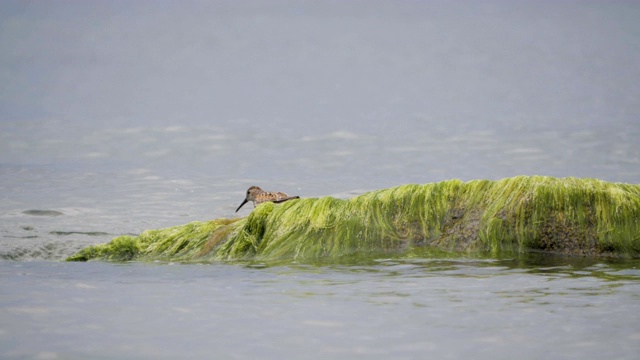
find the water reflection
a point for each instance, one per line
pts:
(397, 265)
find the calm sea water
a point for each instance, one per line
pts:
(118, 117)
(402, 309)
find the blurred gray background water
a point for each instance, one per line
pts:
(122, 116)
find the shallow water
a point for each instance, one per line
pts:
(121, 117)
(405, 309)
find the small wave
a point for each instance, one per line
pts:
(90, 233)
(36, 212)
(33, 250)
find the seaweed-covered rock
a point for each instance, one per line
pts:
(586, 217)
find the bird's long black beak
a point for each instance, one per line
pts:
(244, 202)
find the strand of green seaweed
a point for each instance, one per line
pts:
(587, 217)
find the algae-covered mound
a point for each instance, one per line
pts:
(526, 213)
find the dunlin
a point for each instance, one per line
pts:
(258, 196)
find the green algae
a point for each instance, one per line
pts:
(180, 243)
(584, 217)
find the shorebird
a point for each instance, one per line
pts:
(259, 196)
